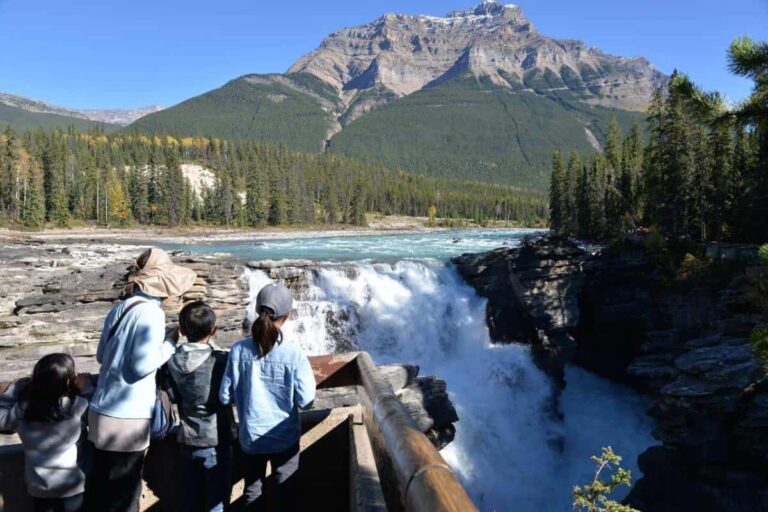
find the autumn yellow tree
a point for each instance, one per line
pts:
(432, 214)
(118, 204)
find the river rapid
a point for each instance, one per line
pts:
(399, 298)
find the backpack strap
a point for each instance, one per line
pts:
(113, 330)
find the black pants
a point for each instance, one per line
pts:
(278, 493)
(115, 481)
(71, 504)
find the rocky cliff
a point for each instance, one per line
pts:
(684, 340)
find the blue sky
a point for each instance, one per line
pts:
(99, 54)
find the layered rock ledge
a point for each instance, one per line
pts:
(686, 344)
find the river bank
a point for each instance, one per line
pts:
(206, 234)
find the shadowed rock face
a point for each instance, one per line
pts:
(402, 54)
(686, 346)
(532, 294)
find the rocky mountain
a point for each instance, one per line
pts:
(397, 55)
(477, 94)
(119, 117)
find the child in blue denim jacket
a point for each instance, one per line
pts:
(269, 380)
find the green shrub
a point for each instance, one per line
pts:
(594, 497)
(655, 243)
(763, 279)
(759, 337)
(763, 254)
(691, 268)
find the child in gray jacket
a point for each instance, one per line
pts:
(48, 415)
(205, 433)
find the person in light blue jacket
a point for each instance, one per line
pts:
(133, 346)
(269, 380)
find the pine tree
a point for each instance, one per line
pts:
(54, 157)
(631, 169)
(277, 207)
(332, 204)
(254, 198)
(34, 205)
(225, 212)
(612, 151)
(174, 187)
(569, 191)
(138, 188)
(10, 176)
(720, 199)
(557, 188)
(357, 206)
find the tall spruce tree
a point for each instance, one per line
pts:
(557, 206)
(174, 188)
(277, 206)
(34, 204)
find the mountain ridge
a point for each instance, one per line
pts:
(404, 53)
(119, 117)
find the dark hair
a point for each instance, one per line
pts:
(264, 331)
(197, 320)
(53, 378)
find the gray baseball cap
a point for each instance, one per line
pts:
(276, 297)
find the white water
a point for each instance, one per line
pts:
(509, 452)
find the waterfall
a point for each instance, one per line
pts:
(509, 451)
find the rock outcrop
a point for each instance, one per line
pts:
(686, 343)
(55, 298)
(532, 294)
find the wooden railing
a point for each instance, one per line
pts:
(413, 474)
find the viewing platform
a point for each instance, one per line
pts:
(367, 454)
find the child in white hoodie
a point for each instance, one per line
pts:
(48, 415)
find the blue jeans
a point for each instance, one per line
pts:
(208, 479)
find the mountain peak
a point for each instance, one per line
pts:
(487, 8)
(400, 54)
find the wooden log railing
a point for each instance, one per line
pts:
(413, 474)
